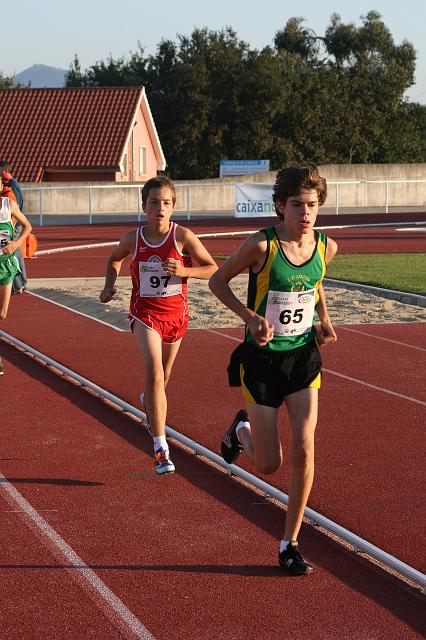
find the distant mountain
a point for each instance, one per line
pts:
(39, 76)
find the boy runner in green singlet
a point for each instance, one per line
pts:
(279, 360)
(9, 267)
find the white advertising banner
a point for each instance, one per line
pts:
(253, 200)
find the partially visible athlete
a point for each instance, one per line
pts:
(279, 360)
(9, 267)
(162, 254)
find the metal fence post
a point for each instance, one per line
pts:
(90, 205)
(337, 198)
(386, 197)
(188, 202)
(41, 207)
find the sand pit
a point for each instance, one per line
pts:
(345, 306)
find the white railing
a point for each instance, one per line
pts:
(118, 201)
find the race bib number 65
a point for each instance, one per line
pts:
(290, 312)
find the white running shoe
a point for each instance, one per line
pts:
(163, 463)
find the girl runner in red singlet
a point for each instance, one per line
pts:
(162, 253)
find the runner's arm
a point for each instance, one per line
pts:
(250, 254)
(193, 246)
(330, 251)
(124, 248)
(325, 331)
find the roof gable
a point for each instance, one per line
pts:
(84, 128)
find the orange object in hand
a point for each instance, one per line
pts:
(29, 246)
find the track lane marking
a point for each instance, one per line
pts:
(65, 248)
(80, 313)
(372, 335)
(122, 615)
(341, 375)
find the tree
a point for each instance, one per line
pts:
(345, 87)
(373, 75)
(74, 77)
(406, 139)
(297, 40)
(329, 99)
(208, 102)
(112, 73)
(7, 82)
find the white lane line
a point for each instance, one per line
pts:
(358, 543)
(225, 335)
(114, 603)
(62, 248)
(372, 335)
(46, 252)
(341, 375)
(80, 313)
(373, 386)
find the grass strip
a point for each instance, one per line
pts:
(398, 271)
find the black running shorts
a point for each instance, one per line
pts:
(268, 376)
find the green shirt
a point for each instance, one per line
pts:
(286, 294)
(6, 226)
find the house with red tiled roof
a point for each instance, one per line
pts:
(79, 134)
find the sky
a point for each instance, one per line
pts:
(50, 32)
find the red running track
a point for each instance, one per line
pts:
(188, 555)
(369, 439)
(59, 236)
(364, 450)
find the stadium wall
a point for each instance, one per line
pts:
(217, 194)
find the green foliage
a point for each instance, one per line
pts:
(295, 39)
(336, 98)
(7, 83)
(408, 143)
(373, 74)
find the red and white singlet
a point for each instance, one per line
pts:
(155, 292)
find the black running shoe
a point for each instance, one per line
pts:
(1, 368)
(291, 559)
(230, 446)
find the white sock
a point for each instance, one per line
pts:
(239, 426)
(160, 441)
(283, 544)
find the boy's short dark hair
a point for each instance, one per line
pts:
(158, 183)
(290, 181)
(5, 166)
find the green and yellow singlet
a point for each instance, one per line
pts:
(286, 294)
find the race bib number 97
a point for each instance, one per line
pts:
(156, 283)
(290, 312)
